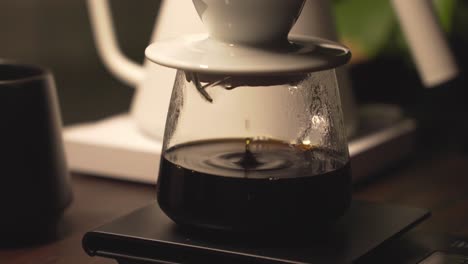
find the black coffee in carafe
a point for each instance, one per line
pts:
(254, 138)
(252, 185)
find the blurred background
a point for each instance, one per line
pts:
(57, 34)
(383, 71)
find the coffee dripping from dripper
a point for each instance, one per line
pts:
(254, 138)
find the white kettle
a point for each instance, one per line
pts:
(177, 17)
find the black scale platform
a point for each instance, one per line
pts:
(147, 235)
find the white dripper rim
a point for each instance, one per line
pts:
(248, 37)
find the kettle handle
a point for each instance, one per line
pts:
(429, 47)
(108, 49)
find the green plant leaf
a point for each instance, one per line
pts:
(445, 10)
(366, 24)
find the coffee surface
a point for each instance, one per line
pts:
(253, 159)
(245, 185)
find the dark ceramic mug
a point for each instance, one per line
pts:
(34, 183)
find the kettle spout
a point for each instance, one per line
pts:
(429, 47)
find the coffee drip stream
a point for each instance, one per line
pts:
(254, 138)
(248, 160)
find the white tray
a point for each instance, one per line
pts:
(115, 148)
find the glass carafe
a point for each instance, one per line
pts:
(253, 153)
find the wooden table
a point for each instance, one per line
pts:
(439, 184)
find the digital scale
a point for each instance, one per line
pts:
(367, 233)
